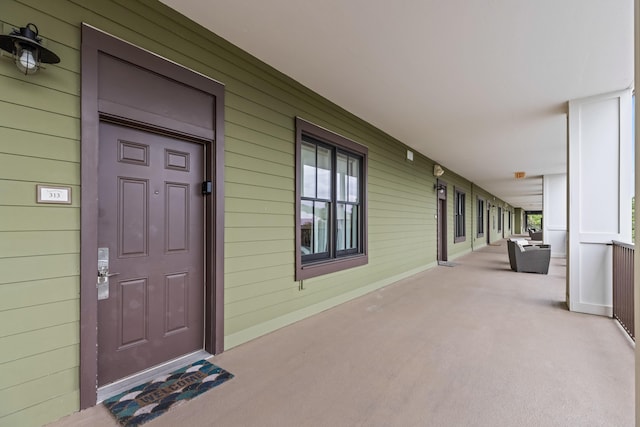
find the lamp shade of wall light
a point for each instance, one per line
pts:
(438, 171)
(24, 45)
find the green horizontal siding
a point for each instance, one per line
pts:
(40, 244)
(47, 99)
(31, 368)
(256, 234)
(16, 116)
(39, 218)
(44, 412)
(38, 145)
(249, 276)
(257, 262)
(40, 341)
(22, 168)
(21, 269)
(243, 249)
(32, 243)
(38, 292)
(32, 318)
(42, 389)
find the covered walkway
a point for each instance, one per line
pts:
(471, 345)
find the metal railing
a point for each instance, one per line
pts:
(623, 285)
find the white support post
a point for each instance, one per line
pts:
(600, 185)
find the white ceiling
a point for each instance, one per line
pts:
(478, 85)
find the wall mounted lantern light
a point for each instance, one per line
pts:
(24, 45)
(440, 188)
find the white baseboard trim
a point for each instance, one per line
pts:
(587, 308)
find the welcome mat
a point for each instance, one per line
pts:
(150, 400)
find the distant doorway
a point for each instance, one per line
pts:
(442, 220)
(488, 223)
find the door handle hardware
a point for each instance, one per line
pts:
(103, 273)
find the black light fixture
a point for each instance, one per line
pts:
(440, 188)
(24, 45)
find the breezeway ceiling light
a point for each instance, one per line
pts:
(24, 45)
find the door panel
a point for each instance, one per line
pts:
(151, 217)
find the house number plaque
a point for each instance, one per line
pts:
(53, 194)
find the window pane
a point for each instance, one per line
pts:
(352, 227)
(320, 227)
(340, 227)
(354, 179)
(341, 177)
(308, 170)
(314, 231)
(306, 227)
(324, 173)
(459, 215)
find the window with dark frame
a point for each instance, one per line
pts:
(480, 217)
(499, 219)
(459, 217)
(331, 232)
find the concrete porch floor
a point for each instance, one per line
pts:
(472, 345)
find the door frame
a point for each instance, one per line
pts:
(95, 41)
(441, 198)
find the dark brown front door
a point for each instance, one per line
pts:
(151, 217)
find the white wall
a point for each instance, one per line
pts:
(554, 213)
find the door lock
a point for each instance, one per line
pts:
(103, 273)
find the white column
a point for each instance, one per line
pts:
(636, 286)
(599, 173)
(554, 213)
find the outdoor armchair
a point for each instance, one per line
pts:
(529, 258)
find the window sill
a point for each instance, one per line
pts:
(321, 268)
(459, 239)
